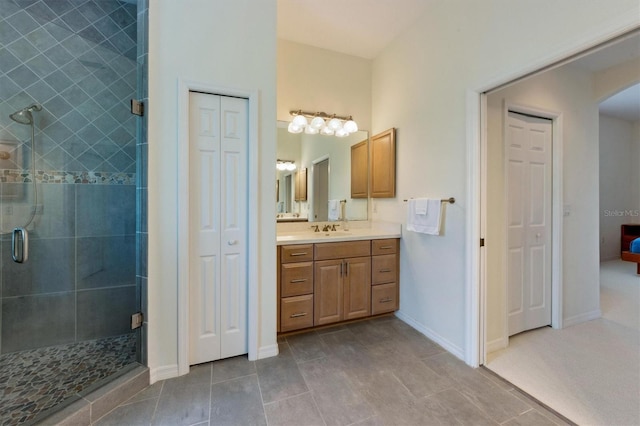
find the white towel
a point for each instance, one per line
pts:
(420, 206)
(334, 209)
(428, 223)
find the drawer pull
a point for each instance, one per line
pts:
(387, 300)
(302, 253)
(300, 280)
(298, 315)
(386, 247)
(384, 270)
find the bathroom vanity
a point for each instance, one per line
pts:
(338, 276)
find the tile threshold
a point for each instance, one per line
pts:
(526, 395)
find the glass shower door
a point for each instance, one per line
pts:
(68, 209)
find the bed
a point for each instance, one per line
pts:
(633, 253)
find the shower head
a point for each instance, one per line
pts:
(24, 116)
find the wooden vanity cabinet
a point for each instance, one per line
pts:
(326, 283)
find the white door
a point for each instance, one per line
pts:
(528, 150)
(217, 227)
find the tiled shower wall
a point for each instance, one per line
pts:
(78, 59)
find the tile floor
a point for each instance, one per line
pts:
(36, 380)
(375, 372)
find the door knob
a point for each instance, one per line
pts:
(232, 242)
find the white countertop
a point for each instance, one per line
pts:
(375, 231)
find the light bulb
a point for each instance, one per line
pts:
(326, 131)
(293, 128)
(290, 166)
(311, 130)
(300, 121)
(317, 123)
(341, 133)
(350, 126)
(281, 166)
(334, 124)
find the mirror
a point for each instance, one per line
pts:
(324, 164)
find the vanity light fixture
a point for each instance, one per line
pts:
(322, 123)
(285, 165)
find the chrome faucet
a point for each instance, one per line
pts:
(333, 227)
(325, 228)
(315, 228)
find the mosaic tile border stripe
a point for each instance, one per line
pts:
(48, 176)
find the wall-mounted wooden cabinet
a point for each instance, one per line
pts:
(301, 185)
(383, 164)
(360, 170)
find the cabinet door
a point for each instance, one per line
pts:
(360, 170)
(383, 165)
(301, 185)
(328, 291)
(357, 287)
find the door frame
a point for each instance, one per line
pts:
(476, 138)
(477, 141)
(184, 87)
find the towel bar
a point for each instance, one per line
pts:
(449, 200)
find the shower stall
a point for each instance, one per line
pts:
(72, 199)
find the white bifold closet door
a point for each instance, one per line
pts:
(218, 194)
(528, 149)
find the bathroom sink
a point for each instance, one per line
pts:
(294, 236)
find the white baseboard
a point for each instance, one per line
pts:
(268, 351)
(450, 347)
(497, 344)
(162, 373)
(577, 319)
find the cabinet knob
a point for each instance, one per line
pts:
(298, 314)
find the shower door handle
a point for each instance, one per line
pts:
(20, 245)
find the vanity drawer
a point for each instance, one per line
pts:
(296, 279)
(387, 246)
(296, 253)
(384, 298)
(296, 312)
(384, 269)
(342, 250)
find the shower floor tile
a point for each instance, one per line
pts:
(36, 380)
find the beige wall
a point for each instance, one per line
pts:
(420, 84)
(314, 79)
(417, 84)
(218, 43)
